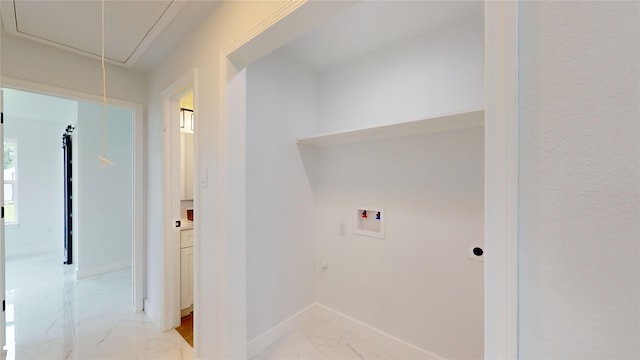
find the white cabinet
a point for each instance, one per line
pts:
(186, 166)
(186, 237)
(186, 268)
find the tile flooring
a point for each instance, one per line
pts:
(323, 338)
(52, 316)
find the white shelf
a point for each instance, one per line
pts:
(467, 120)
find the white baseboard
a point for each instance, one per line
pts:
(97, 270)
(152, 313)
(262, 342)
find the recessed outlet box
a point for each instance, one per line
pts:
(370, 221)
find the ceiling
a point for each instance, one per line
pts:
(138, 33)
(131, 26)
(374, 24)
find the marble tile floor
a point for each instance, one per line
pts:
(322, 338)
(52, 316)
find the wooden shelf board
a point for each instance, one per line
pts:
(467, 120)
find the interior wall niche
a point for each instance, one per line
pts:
(395, 131)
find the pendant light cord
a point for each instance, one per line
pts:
(104, 91)
(103, 159)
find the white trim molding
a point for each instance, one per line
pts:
(501, 180)
(252, 33)
(271, 336)
(151, 311)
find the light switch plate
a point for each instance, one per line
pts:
(204, 177)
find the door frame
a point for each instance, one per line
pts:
(3, 318)
(170, 316)
(501, 220)
(137, 248)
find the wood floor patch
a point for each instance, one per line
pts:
(186, 328)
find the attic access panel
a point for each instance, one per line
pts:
(130, 26)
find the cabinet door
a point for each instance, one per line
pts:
(186, 238)
(186, 277)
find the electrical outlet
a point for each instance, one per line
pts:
(324, 265)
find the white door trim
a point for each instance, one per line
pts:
(137, 255)
(232, 280)
(501, 180)
(170, 313)
(3, 318)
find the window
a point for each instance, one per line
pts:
(10, 181)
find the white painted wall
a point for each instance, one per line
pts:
(28, 60)
(282, 97)
(224, 25)
(416, 284)
(37, 122)
(105, 204)
(579, 180)
(423, 76)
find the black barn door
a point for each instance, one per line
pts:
(68, 196)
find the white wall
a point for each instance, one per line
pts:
(43, 64)
(416, 284)
(420, 77)
(282, 101)
(40, 167)
(579, 180)
(105, 204)
(225, 24)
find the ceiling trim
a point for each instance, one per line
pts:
(163, 21)
(9, 20)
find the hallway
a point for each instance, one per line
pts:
(52, 316)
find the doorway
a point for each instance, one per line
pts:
(49, 222)
(499, 227)
(187, 128)
(181, 193)
(89, 106)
